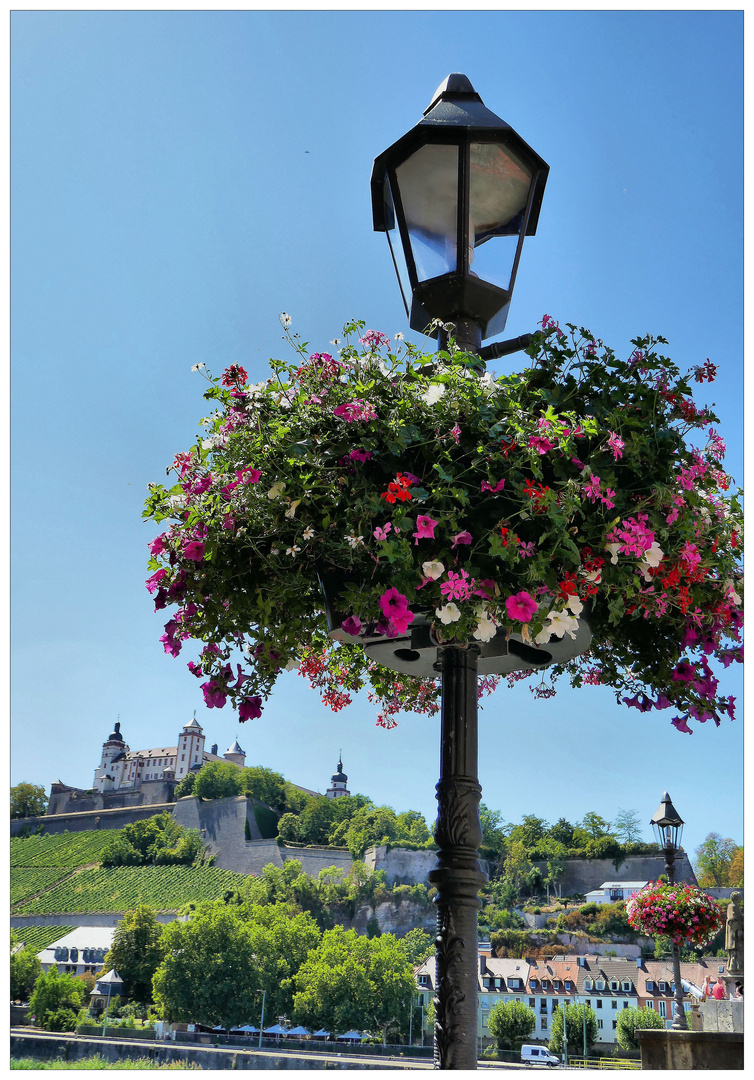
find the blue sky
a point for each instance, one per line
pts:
(165, 210)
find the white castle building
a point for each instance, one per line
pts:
(121, 767)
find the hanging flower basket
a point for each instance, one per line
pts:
(356, 511)
(684, 913)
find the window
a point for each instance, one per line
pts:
(650, 986)
(599, 1003)
(568, 985)
(599, 1023)
(485, 1003)
(625, 1004)
(556, 984)
(543, 1023)
(663, 987)
(600, 984)
(615, 1004)
(532, 1003)
(543, 1005)
(661, 1008)
(183, 756)
(649, 1005)
(588, 984)
(487, 983)
(615, 1024)
(533, 983)
(484, 1021)
(627, 985)
(545, 985)
(614, 984)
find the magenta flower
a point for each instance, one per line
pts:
(215, 694)
(194, 550)
(158, 545)
(380, 533)
(425, 528)
(458, 586)
(394, 606)
(592, 488)
(521, 606)
(684, 672)
(249, 476)
(679, 722)
(356, 410)
(540, 444)
(486, 486)
(250, 709)
(360, 455)
(525, 550)
(153, 581)
(616, 444)
(352, 625)
(461, 538)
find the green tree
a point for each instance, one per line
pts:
(511, 1023)
(27, 800)
(631, 1019)
(218, 780)
(594, 825)
(562, 832)
(531, 830)
(25, 969)
(575, 1024)
(56, 1000)
(418, 945)
(185, 786)
(518, 866)
(350, 981)
(281, 939)
(289, 828)
(493, 830)
(264, 785)
(627, 826)
(209, 974)
(713, 860)
(155, 841)
(137, 951)
(412, 826)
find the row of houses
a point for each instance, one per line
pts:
(607, 985)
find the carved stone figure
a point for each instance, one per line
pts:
(734, 934)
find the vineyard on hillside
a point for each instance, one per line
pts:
(30, 880)
(37, 938)
(65, 851)
(164, 888)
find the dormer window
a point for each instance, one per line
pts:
(663, 987)
(545, 984)
(600, 984)
(533, 983)
(650, 986)
(588, 984)
(614, 984)
(556, 984)
(627, 985)
(568, 986)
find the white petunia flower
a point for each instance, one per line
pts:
(176, 501)
(212, 442)
(652, 557)
(486, 628)
(276, 490)
(561, 623)
(433, 569)
(448, 614)
(434, 393)
(293, 665)
(613, 549)
(574, 605)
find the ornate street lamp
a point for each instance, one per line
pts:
(459, 191)
(667, 826)
(455, 196)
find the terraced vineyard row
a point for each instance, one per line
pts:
(28, 880)
(37, 938)
(63, 850)
(164, 888)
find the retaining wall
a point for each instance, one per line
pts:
(582, 875)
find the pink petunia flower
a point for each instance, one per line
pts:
(521, 606)
(425, 528)
(486, 486)
(461, 538)
(194, 550)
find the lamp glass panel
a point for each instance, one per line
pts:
(499, 185)
(396, 247)
(428, 184)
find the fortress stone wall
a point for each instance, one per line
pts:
(582, 875)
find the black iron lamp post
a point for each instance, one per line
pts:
(459, 191)
(667, 826)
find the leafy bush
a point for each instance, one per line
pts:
(156, 841)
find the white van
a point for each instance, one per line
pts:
(533, 1055)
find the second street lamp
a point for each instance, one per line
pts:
(460, 179)
(667, 826)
